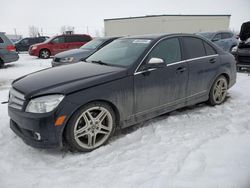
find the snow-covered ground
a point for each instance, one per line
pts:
(198, 147)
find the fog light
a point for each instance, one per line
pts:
(37, 136)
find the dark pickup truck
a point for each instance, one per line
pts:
(242, 53)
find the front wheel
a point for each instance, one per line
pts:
(91, 127)
(1, 63)
(218, 91)
(44, 54)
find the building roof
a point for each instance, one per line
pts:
(148, 16)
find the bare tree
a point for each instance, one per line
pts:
(67, 29)
(33, 31)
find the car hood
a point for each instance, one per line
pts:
(74, 53)
(67, 79)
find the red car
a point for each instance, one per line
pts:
(58, 44)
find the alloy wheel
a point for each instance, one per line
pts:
(44, 54)
(93, 127)
(220, 90)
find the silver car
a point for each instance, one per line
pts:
(226, 40)
(76, 55)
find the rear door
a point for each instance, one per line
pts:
(202, 62)
(76, 41)
(160, 88)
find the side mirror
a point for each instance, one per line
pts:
(155, 63)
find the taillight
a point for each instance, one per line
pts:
(11, 48)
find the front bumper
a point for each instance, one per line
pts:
(35, 129)
(243, 62)
(33, 52)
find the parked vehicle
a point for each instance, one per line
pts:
(76, 55)
(25, 43)
(130, 80)
(7, 50)
(242, 52)
(227, 40)
(58, 44)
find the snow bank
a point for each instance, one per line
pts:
(195, 147)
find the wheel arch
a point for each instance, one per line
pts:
(44, 49)
(113, 106)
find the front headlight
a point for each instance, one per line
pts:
(67, 60)
(44, 104)
(234, 49)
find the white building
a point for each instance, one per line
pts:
(165, 24)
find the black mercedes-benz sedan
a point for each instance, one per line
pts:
(128, 81)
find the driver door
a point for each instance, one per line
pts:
(158, 89)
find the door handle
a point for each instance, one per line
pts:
(180, 69)
(213, 60)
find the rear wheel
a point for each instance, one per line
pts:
(44, 54)
(91, 127)
(218, 91)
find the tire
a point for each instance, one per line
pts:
(231, 49)
(1, 63)
(90, 127)
(218, 91)
(44, 54)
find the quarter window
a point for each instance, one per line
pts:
(226, 35)
(209, 49)
(193, 47)
(217, 37)
(168, 50)
(1, 40)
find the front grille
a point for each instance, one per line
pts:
(16, 99)
(244, 59)
(56, 59)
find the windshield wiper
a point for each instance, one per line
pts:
(100, 62)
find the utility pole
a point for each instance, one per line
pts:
(15, 31)
(42, 31)
(87, 30)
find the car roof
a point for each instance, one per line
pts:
(158, 36)
(106, 38)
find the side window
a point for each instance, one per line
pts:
(59, 40)
(32, 40)
(193, 47)
(25, 41)
(1, 40)
(85, 38)
(209, 49)
(169, 50)
(217, 37)
(74, 38)
(70, 39)
(225, 35)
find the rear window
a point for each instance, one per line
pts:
(193, 47)
(1, 40)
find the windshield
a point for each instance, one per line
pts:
(93, 44)
(207, 35)
(121, 52)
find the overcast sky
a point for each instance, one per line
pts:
(88, 16)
